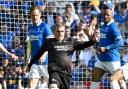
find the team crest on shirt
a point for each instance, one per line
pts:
(61, 47)
(33, 37)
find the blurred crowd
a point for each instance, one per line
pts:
(81, 18)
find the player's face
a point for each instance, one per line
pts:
(60, 33)
(36, 16)
(108, 16)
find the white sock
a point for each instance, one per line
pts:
(115, 85)
(123, 85)
(94, 85)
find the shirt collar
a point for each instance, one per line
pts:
(39, 23)
(110, 22)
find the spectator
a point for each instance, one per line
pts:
(86, 12)
(19, 24)
(17, 7)
(60, 6)
(1, 77)
(24, 77)
(121, 16)
(70, 17)
(124, 55)
(26, 7)
(81, 36)
(92, 26)
(12, 76)
(6, 38)
(67, 31)
(58, 20)
(85, 54)
(121, 1)
(2, 48)
(19, 51)
(49, 15)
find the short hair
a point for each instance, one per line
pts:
(85, 4)
(103, 6)
(123, 5)
(68, 6)
(34, 8)
(58, 26)
(67, 27)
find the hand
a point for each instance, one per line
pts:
(14, 57)
(67, 15)
(102, 49)
(96, 36)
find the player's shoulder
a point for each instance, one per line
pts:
(43, 23)
(114, 26)
(71, 39)
(50, 39)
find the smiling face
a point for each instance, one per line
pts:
(35, 16)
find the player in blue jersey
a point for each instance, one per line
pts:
(109, 55)
(39, 31)
(121, 73)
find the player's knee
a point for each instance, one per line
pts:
(115, 77)
(53, 86)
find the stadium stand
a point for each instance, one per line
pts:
(14, 22)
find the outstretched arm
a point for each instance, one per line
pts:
(2, 48)
(81, 45)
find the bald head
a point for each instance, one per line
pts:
(109, 11)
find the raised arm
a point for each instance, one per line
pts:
(81, 45)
